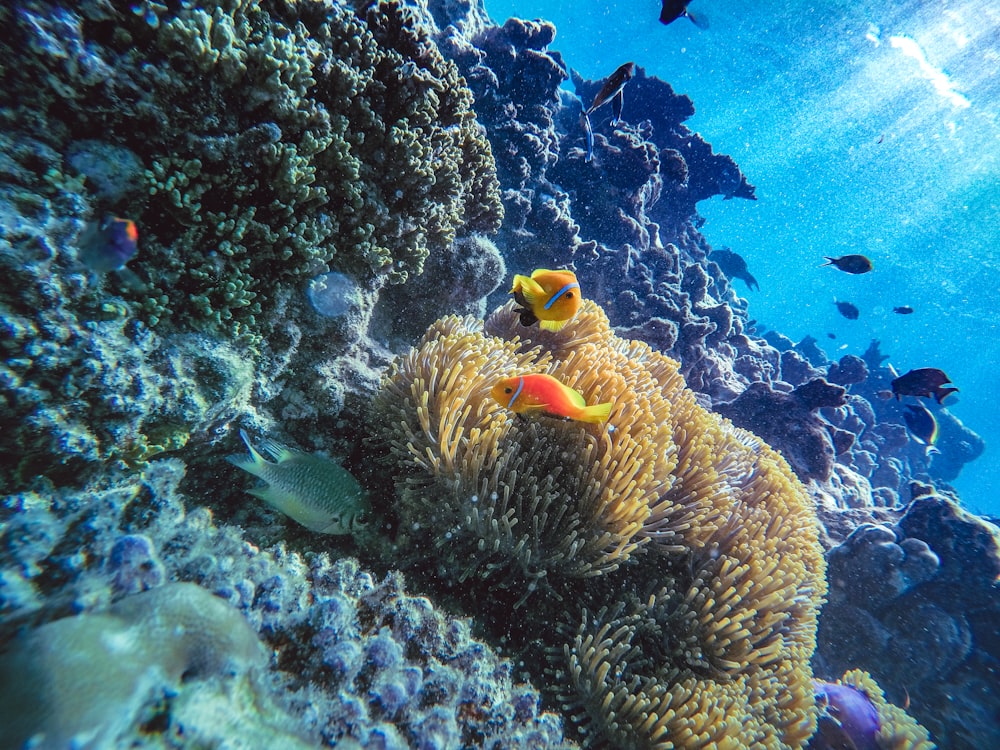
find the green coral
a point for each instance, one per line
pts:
(278, 138)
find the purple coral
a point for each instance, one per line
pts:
(848, 718)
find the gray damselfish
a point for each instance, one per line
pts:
(313, 490)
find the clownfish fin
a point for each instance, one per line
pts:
(530, 289)
(596, 414)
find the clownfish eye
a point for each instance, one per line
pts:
(569, 295)
(508, 389)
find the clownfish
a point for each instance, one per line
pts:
(544, 394)
(549, 298)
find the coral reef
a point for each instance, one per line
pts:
(915, 604)
(347, 139)
(787, 422)
(678, 552)
(353, 659)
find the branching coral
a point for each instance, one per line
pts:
(716, 650)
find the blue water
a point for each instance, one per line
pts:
(867, 127)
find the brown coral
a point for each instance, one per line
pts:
(705, 643)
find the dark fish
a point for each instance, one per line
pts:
(674, 9)
(589, 132)
(848, 310)
(922, 425)
(905, 310)
(611, 91)
(734, 266)
(850, 263)
(108, 246)
(848, 720)
(831, 335)
(925, 381)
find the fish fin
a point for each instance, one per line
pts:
(277, 451)
(552, 325)
(752, 282)
(700, 20)
(943, 393)
(527, 318)
(541, 272)
(530, 290)
(589, 132)
(616, 108)
(255, 464)
(595, 414)
(575, 397)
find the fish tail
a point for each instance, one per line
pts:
(589, 132)
(700, 20)
(255, 464)
(596, 414)
(943, 393)
(829, 261)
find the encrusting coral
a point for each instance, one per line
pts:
(702, 526)
(345, 134)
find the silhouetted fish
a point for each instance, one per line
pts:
(850, 263)
(905, 310)
(922, 425)
(733, 266)
(831, 335)
(846, 309)
(611, 91)
(674, 9)
(924, 381)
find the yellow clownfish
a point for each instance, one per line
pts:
(549, 298)
(543, 394)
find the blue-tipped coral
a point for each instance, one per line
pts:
(314, 491)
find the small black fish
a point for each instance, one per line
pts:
(848, 310)
(850, 263)
(904, 310)
(674, 9)
(831, 335)
(924, 381)
(611, 91)
(922, 425)
(734, 266)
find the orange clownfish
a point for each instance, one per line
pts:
(546, 395)
(549, 297)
